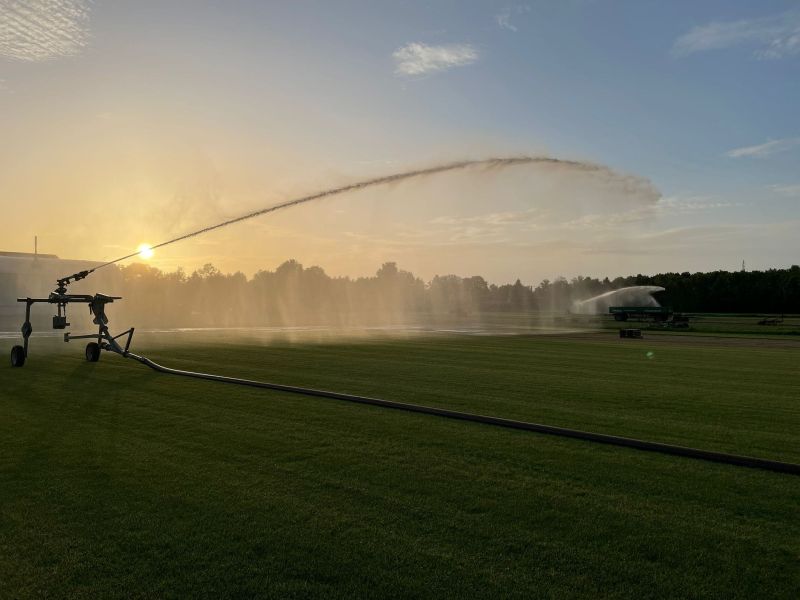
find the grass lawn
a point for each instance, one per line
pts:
(116, 481)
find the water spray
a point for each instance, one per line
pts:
(635, 295)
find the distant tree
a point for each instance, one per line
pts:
(294, 294)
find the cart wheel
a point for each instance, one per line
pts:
(92, 352)
(17, 356)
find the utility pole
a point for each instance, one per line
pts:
(743, 268)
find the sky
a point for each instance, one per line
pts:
(134, 122)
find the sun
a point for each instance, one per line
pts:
(145, 251)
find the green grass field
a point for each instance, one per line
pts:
(116, 481)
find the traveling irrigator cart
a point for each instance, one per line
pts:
(97, 303)
(642, 313)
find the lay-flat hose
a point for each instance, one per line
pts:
(602, 438)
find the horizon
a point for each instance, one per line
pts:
(427, 280)
(374, 271)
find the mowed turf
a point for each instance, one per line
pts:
(116, 481)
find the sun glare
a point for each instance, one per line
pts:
(145, 251)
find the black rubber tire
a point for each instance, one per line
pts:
(92, 352)
(17, 356)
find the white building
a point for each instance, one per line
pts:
(23, 274)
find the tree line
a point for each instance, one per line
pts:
(296, 295)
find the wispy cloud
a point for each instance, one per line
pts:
(35, 30)
(666, 207)
(791, 190)
(774, 36)
(676, 205)
(496, 218)
(765, 149)
(535, 219)
(714, 234)
(504, 17)
(708, 240)
(419, 59)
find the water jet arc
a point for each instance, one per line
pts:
(629, 183)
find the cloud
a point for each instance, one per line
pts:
(765, 149)
(665, 207)
(419, 59)
(501, 225)
(678, 205)
(709, 235)
(722, 240)
(495, 218)
(503, 18)
(792, 190)
(772, 37)
(35, 30)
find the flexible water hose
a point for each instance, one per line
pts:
(614, 440)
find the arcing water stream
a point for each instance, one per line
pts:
(629, 183)
(636, 295)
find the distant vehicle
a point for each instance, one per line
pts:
(652, 313)
(773, 321)
(630, 333)
(679, 321)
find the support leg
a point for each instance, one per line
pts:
(27, 329)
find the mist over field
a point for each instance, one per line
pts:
(292, 295)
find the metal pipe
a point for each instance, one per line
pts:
(602, 438)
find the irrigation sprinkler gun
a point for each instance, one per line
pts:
(103, 340)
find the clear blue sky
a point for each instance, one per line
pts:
(232, 104)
